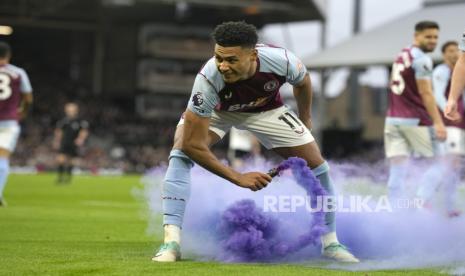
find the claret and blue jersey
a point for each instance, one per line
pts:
(13, 82)
(405, 103)
(275, 66)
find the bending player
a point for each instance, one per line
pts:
(239, 87)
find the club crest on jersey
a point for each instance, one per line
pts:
(228, 95)
(271, 85)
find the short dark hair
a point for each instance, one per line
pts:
(423, 25)
(447, 44)
(238, 33)
(5, 49)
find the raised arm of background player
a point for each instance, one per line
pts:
(457, 87)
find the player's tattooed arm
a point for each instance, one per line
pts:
(303, 95)
(195, 145)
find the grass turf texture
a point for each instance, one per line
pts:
(95, 226)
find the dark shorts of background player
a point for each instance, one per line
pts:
(69, 150)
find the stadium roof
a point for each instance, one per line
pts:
(380, 45)
(88, 14)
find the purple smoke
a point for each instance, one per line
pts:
(382, 240)
(247, 234)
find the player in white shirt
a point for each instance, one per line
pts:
(453, 149)
(457, 84)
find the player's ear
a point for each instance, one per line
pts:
(254, 54)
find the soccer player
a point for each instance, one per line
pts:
(15, 100)
(454, 147)
(239, 87)
(70, 133)
(413, 122)
(457, 85)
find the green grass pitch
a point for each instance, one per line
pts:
(95, 226)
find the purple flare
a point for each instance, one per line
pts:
(247, 234)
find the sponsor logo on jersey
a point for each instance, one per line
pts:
(256, 103)
(271, 85)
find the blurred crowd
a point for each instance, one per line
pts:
(119, 138)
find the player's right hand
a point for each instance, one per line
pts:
(440, 131)
(450, 112)
(253, 180)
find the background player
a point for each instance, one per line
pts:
(71, 132)
(457, 84)
(412, 109)
(239, 87)
(454, 147)
(15, 101)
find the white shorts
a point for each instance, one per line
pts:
(455, 142)
(275, 128)
(9, 133)
(407, 140)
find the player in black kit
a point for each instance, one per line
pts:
(70, 134)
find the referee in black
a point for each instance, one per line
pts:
(70, 133)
